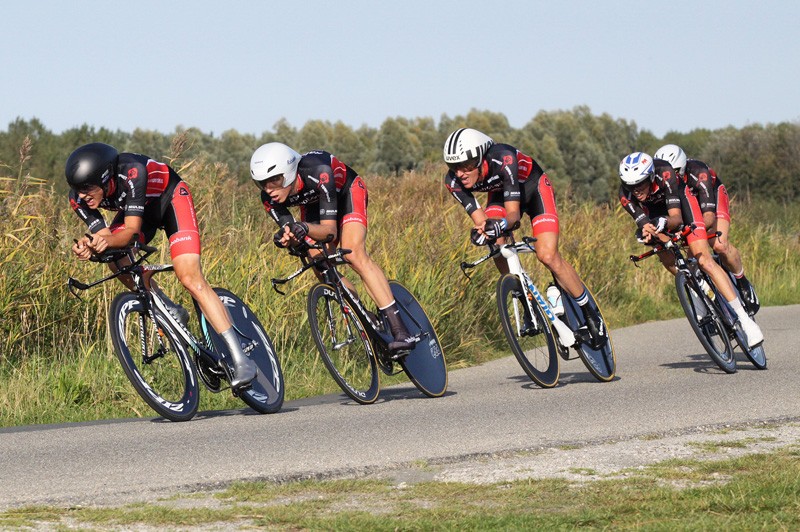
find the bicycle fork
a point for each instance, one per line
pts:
(565, 335)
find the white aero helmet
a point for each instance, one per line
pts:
(636, 168)
(465, 144)
(274, 159)
(674, 155)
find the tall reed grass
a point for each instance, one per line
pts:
(56, 360)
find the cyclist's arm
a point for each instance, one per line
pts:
(104, 238)
(323, 230)
(633, 208)
(513, 214)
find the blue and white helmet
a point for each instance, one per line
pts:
(674, 155)
(636, 168)
(465, 144)
(274, 159)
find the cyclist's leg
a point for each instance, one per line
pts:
(184, 240)
(698, 247)
(353, 235)
(668, 261)
(541, 207)
(730, 256)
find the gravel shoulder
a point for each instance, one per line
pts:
(587, 461)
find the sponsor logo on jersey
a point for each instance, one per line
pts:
(133, 173)
(181, 239)
(183, 192)
(324, 178)
(507, 159)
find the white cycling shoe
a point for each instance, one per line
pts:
(752, 331)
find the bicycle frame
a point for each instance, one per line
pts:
(510, 252)
(326, 263)
(690, 267)
(149, 297)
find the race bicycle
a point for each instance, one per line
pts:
(162, 358)
(712, 319)
(353, 342)
(535, 333)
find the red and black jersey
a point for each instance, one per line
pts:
(705, 184)
(504, 168)
(664, 195)
(142, 187)
(323, 191)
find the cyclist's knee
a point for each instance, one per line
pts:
(705, 261)
(722, 247)
(193, 281)
(549, 257)
(359, 259)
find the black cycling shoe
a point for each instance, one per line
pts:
(401, 347)
(597, 329)
(749, 297)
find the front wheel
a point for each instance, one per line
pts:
(343, 344)
(706, 323)
(154, 359)
(530, 335)
(265, 394)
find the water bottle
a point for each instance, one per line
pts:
(554, 297)
(707, 289)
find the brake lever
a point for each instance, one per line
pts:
(275, 283)
(74, 286)
(464, 267)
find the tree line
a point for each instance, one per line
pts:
(579, 150)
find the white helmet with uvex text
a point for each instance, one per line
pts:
(274, 159)
(464, 145)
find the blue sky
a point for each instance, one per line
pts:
(241, 65)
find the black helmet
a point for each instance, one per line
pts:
(91, 164)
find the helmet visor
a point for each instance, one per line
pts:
(464, 166)
(275, 181)
(640, 189)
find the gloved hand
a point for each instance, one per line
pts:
(479, 239)
(494, 227)
(299, 230)
(660, 223)
(276, 239)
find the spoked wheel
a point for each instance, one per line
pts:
(706, 323)
(530, 336)
(425, 364)
(154, 358)
(599, 359)
(265, 394)
(343, 344)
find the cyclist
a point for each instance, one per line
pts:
(651, 193)
(333, 204)
(713, 198)
(516, 185)
(147, 195)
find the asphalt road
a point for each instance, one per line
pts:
(665, 383)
